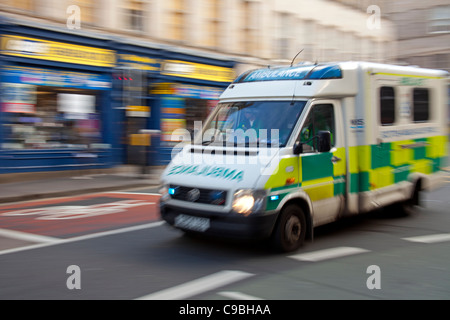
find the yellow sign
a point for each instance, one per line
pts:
(140, 139)
(56, 51)
(139, 62)
(138, 111)
(197, 71)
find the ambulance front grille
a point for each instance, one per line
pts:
(198, 195)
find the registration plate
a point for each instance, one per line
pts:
(192, 223)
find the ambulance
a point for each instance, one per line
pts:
(291, 148)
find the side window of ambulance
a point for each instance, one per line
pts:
(421, 105)
(387, 106)
(321, 118)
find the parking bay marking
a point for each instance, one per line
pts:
(433, 238)
(85, 237)
(198, 286)
(25, 236)
(237, 295)
(326, 254)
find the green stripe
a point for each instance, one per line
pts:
(273, 204)
(317, 166)
(381, 155)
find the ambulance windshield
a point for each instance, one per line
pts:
(252, 123)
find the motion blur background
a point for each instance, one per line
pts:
(81, 79)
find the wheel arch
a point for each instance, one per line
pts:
(306, 205)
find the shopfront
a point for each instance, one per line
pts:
(137, 67)
(56, 109)
(188, 90)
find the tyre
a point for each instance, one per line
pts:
(289, 233)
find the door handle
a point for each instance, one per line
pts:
(335, 159)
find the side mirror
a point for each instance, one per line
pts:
(324, 141)
(298, 148)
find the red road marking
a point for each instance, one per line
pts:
(128, 210)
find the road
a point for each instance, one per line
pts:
(123, 251)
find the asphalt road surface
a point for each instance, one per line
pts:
(113, 246)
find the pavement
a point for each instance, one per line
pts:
(75, 184)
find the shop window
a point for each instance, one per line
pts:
(421, 105)
(387, 105)
(50, 118)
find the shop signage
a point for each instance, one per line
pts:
(199, 71)
(139, 62)
(56, 78)
(138, 111)
(17, 97)
(56, 51)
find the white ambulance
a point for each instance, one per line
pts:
(291, 148)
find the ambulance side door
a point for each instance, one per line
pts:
(323, 174)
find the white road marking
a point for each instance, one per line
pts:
(198, 286)
(86, 237)
(135, 193)
(25, 236)
(328, 254)
(434, 238)
(237, 295)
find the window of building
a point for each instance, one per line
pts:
(439, 20)
(213, 17)
(87, 11)
(177, 20)
(25, 5)
(421, 105)
(284, 35)
(387, 105)
(134, 15)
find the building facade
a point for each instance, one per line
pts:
(81, 79)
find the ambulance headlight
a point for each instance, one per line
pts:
(247, 201)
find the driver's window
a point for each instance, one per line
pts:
(321, 118)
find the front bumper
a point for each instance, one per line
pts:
(229, 225)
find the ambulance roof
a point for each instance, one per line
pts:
(304, 81)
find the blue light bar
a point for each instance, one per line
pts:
(171, 191)
(311, 72)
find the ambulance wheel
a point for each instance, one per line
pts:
(289, 233)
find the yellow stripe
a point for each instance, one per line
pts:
(288, 168)
(437, 147)
(381, 177)
(365, 158)
(408, 75)
(319, 189)
(399, 155)
(339, 166)
(423, 166)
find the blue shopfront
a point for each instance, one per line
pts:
(72, 101)
(56, 111)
